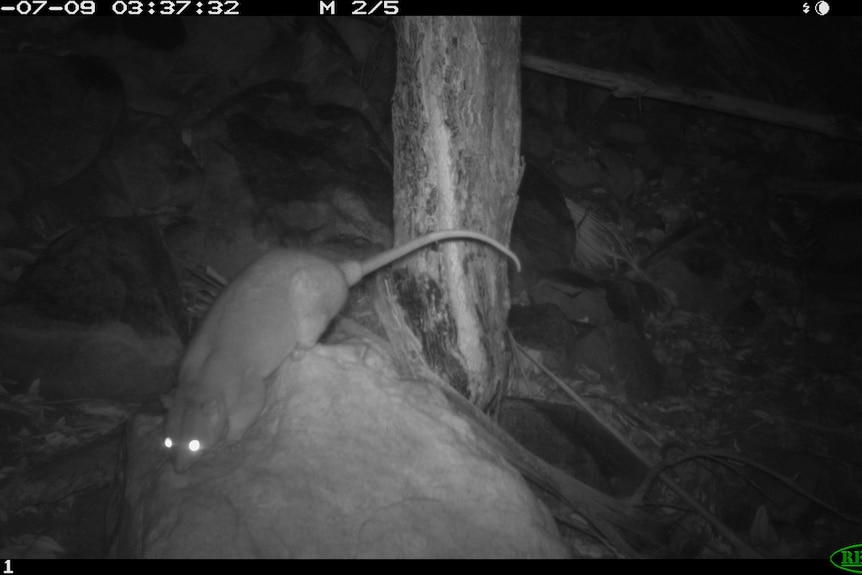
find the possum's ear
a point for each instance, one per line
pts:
(167, 400)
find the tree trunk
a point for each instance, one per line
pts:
(457, 132)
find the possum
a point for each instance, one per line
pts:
(277, 308)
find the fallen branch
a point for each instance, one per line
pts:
(631, 86)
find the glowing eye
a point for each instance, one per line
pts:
(168, 442)
(194, 445)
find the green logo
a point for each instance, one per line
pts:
(848, 558)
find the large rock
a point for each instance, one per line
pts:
(346, 460)
(97, 315)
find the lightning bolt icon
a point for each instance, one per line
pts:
(805, 8)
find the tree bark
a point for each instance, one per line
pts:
(457, 133)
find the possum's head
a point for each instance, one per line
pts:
(192, 427)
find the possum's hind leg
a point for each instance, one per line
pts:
(319, 293)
